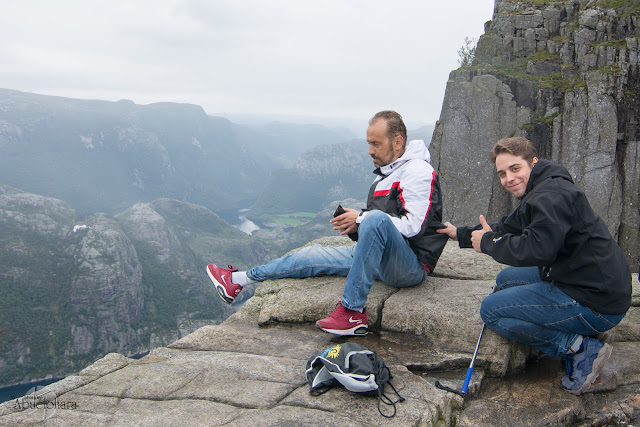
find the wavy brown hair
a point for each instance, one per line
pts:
(517, 145)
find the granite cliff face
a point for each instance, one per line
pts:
(106, 296)
(75, 289)
(566, 75)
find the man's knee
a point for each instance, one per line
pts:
(373, 220)
(516, 276)
(310, 252)
(504, 277)
(487, 309)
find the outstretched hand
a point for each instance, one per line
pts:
(346, 223)
(476, 236)
(450, 230)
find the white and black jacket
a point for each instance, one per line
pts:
(408, 191)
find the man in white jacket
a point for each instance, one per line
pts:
(396, 233)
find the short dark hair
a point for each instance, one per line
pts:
(517, 145)
(395, 124)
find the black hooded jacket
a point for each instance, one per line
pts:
(555, 229)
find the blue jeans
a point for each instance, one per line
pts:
(528, 310)
(382, 253)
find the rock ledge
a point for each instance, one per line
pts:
(249, 370)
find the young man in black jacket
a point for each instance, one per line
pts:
(569, 279)
(396, 234)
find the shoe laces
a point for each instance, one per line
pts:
(568, 365)
(340, 311)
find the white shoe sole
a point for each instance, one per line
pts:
(355, 331)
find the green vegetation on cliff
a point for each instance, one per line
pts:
(625, 8)
(34, 288)
(630, 7)
(565, 79)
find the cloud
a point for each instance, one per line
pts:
(336, 58)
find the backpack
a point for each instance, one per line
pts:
(356, 368)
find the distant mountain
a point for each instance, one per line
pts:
(75, 289)
(104, 156)
(424, 133)
(351, 127)
(320, 176)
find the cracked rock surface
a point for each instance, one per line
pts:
(249, 370)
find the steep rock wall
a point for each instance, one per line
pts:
(73, 290)
(565, 75)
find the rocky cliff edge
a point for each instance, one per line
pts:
(249, 370)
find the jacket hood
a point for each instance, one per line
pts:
(415, 150)
(545, 169)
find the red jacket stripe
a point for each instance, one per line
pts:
(380, 193)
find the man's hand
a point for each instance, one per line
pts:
(476, 236)
(451, 231)
(346, 223)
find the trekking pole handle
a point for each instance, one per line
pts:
(445, 388)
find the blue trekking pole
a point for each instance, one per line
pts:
(465, 385)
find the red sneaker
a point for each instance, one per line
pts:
(221, 278)
(344, 322)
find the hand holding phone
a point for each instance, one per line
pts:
(339, 211)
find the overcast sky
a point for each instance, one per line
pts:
(322, 58)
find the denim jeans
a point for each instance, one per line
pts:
(526, 309)
(382, 253)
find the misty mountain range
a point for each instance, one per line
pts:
(104, 156)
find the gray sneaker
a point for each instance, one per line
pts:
(584, 367)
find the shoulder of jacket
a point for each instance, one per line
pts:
(553, 187)
(419, 164)
(551, 196)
